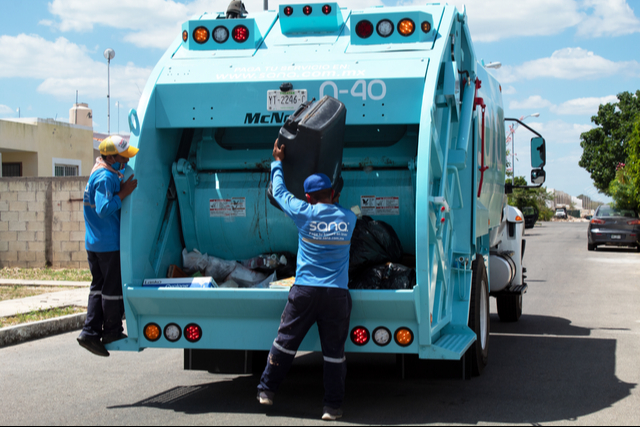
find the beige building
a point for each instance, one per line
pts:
(46, 147)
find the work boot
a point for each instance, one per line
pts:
(265, 397)
(93, 345)
(331, 414)
(111, 338)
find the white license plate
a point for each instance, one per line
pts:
(616, 237)
(285, 101)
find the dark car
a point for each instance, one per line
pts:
(614, 227)
(530, 216)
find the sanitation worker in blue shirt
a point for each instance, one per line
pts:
(320, 294)
(103, 198)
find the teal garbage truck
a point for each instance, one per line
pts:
(424, 152)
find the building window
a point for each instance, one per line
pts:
(66, 167)
(11, 169)
(66, 170)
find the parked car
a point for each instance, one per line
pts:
(614, 227)
(561, 213)
(530, 214)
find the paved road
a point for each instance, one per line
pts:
(572, 359)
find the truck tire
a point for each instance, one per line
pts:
(477, 355)
(509, 307)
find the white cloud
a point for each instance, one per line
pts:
(493, 20)
(561, 132)
(5, 110)
(609, 18)
(535, 101)
(509, 90)
(582, 106)
(66, 67)
(569, 64)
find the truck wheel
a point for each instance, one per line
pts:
(477, 355)
(509, 307)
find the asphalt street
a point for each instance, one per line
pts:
(573, 359)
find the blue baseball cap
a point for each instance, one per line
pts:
(316, 182)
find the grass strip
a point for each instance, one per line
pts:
(36, 316)
(64, 274)
(10, 292)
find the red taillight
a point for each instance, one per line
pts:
(192, 332)
(360, 335)
(364, 29)
(288, 10)
(240, 34)
(326, 9)
(634, 222)
(597, 221)
(307, 10)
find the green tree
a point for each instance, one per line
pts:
(622, 189)
(628, 178)
(534, 197)
(605, 146)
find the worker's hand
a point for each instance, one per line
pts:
(278, 153)
(127, 187)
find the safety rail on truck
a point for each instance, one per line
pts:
(424, 133)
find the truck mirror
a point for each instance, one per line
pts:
(538, 176)
(538, 153)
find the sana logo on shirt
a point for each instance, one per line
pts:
(331, 226)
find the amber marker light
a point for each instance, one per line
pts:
(201, 35)
(152, 332)
(518, 218)
(426, 26)
(185, 36)
(403, 337)
(406, 27)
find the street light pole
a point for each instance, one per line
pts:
(109, 54)
(513, 146)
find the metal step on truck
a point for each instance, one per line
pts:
(424, 132)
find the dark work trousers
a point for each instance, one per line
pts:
(105, 308)
(330, 308)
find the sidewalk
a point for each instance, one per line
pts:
(28, 331)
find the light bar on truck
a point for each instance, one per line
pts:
(360, 336)
(213, 34)
(412, 27)
(310, 18)
(152, 332)
(403, 337)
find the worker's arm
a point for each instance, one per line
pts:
(107, 202)
(290, 205)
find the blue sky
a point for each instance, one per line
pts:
(561, 58)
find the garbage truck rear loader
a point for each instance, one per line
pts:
(424, 152)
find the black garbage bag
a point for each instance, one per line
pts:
(385, 276)
(373, 243)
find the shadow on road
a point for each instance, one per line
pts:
(541, 369)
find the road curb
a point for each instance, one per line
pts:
(44, 328)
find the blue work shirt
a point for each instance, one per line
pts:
(102, 212)
(324, 236)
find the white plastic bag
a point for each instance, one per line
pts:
(221, 270)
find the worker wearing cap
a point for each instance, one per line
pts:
(103, 198)
(320, 294)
